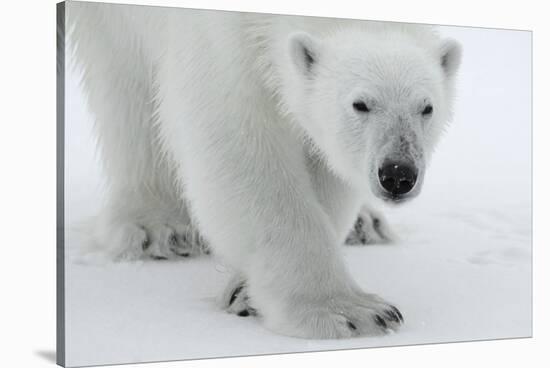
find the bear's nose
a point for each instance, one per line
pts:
(397, 178)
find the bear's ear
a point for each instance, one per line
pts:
(450, 57)
(304, 52)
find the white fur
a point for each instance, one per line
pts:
(218, 117)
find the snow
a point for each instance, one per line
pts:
(461, 269)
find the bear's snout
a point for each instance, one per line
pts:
(397, 178)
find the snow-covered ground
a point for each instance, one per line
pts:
(460, 271)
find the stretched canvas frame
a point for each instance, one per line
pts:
(498, 225)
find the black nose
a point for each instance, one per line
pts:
(397, 178)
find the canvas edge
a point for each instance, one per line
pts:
(60, 187)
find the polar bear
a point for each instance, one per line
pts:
(264, 134)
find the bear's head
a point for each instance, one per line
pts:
(374, 102)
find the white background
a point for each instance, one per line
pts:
(28, 202)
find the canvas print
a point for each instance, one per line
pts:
(235, 183)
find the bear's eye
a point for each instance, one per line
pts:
(360, 106)
(427, 110)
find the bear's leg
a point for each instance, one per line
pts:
(144, 215)
(251, 192)
(340, 202)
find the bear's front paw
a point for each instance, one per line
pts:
(371, 227)
(341, 317)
